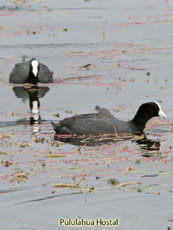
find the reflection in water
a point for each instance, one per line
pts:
(33, 93)
(148, 145)
(89, 140)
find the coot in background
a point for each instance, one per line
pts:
(30, 72)
(103, 122)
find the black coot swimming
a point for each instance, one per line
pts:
(103, 122)
(32, 72)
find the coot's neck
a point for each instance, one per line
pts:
(139, 121)
(31, 78)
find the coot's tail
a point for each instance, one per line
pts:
(55, 125)
(60, 129)
(24, 58)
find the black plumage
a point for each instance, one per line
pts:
(103, 122)
(24, 73)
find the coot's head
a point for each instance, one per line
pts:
(160, 112)
(34, 67)
(145, 112)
